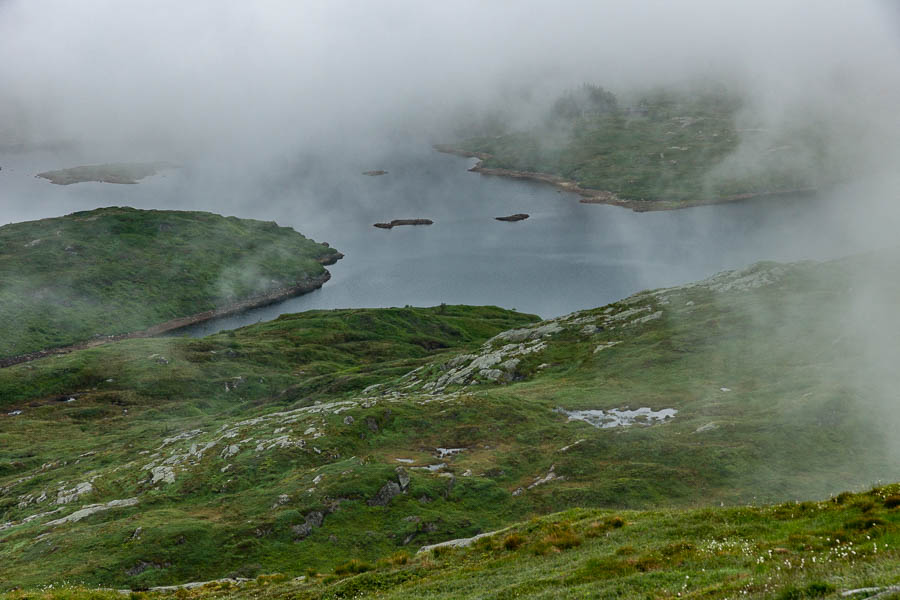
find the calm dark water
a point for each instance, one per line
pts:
(566, 256)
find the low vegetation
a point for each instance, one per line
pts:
(666, 148)
(117, 270)
(788, 551)
(355, 437)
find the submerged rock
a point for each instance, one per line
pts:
(515, 217)
(375, 173)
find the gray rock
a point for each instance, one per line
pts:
(348, 420)
(403, 478)
(384, 496)
(313, 521)
(528, 333)
(87, 511)
(315, 518)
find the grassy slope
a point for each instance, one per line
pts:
(130, 395)
(668, 155)
(787, 551)
(796, 422)
(116, 270)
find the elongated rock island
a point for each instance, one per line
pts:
(127, 173)
(113, 272)
(515, 217)
(397, 222)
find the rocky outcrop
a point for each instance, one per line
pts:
(313, 521)
(461, 542)
(384, 496)
(91, 509)
(515, 217)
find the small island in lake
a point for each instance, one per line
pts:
(397, 222)
(127, 173)
(121, 272)
(515, 217)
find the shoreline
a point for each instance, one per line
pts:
(592, 196)
(269, 298)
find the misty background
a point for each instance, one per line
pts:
(273, 109)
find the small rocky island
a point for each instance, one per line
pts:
(374, 173)
(515, 217)
(126, 173)
(397, 222)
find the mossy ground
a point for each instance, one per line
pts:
(789, 551)
(777, 399)
(117, 270)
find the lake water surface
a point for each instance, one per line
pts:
(566, 256)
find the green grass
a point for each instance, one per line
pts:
(678, 149)
(784, 551)
(320, 406)
(117, 270)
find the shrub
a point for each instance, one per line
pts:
(892, 501)
(353, 567)
(513, 541)
(817, 589)
(866, 523)
(677, 548)
(562, 538)
(646, 563)
(399, 558)
(790, 593)
(813, 590)
(842, 497)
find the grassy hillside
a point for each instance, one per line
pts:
(790, 551)
(329, 436)
(116, 270)
(669, 149)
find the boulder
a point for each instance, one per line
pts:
(384, 496)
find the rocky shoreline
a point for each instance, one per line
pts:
(592, 196)
(272, 297)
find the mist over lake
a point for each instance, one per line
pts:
(566, 256)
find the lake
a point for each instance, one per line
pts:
(567, 256)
